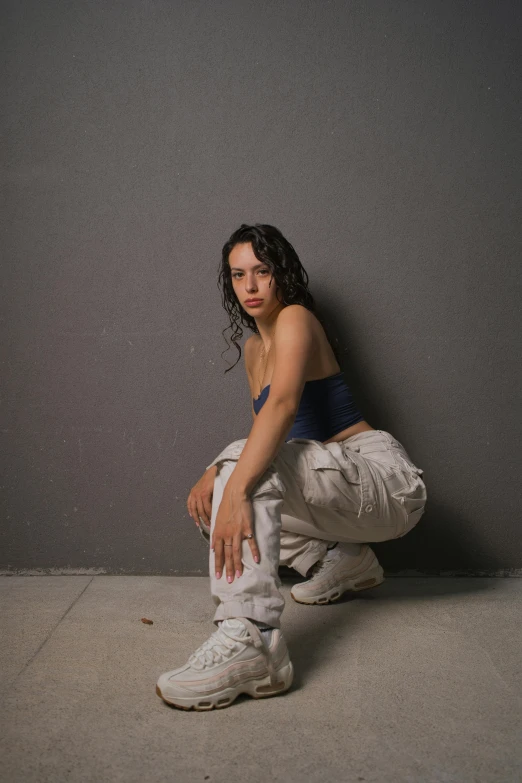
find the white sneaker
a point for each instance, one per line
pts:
(235, 659)
(336, 573)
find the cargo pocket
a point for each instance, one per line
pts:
(378, 450)
(412, 498)
(330, 482)
(406, 462)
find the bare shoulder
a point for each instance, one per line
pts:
(295, 315)
(303, 333)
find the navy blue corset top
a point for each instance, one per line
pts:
(326, 408)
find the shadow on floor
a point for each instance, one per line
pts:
(319, 627)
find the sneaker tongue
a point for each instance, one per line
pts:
(235, 627)
(333, 555)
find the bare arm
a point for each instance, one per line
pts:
(292, 348)
(249, 358)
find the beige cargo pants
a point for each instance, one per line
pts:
(363, 489)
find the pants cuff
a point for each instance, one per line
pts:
(304, 563)
(230, 609)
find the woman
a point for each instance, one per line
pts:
(308, 488)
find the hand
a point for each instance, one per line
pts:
(234, 522)
(199, 502)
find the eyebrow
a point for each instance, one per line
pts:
(238, 269)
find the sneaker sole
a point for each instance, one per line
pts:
(372, 578)
(257, 689)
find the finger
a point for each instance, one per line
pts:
(201, 511)
(253, 548)
(248, 530)
(206, 510)
(192, 510)
(229, 563)
(207, 506)
(196, 512)
(217, 546)
(236, 555)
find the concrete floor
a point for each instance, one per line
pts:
(417, 680)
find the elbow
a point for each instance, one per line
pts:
(283, 406)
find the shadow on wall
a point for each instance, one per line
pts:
(443, 542)
(442, 536)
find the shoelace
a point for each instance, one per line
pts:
(221, 643)
(217, 648)
(322, 565)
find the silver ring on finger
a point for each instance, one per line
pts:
(250, 535)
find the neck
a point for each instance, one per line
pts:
(266, 326)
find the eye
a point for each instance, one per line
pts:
(263, 271)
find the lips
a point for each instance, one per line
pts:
(253, 301)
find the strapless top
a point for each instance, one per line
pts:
(326, 407)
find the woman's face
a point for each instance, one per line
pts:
(251, 281)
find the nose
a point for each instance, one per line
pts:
(251, 286)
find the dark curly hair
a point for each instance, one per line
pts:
(273, 249)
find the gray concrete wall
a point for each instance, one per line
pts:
(381, 138)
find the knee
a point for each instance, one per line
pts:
(269, 484)
(231, 452)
